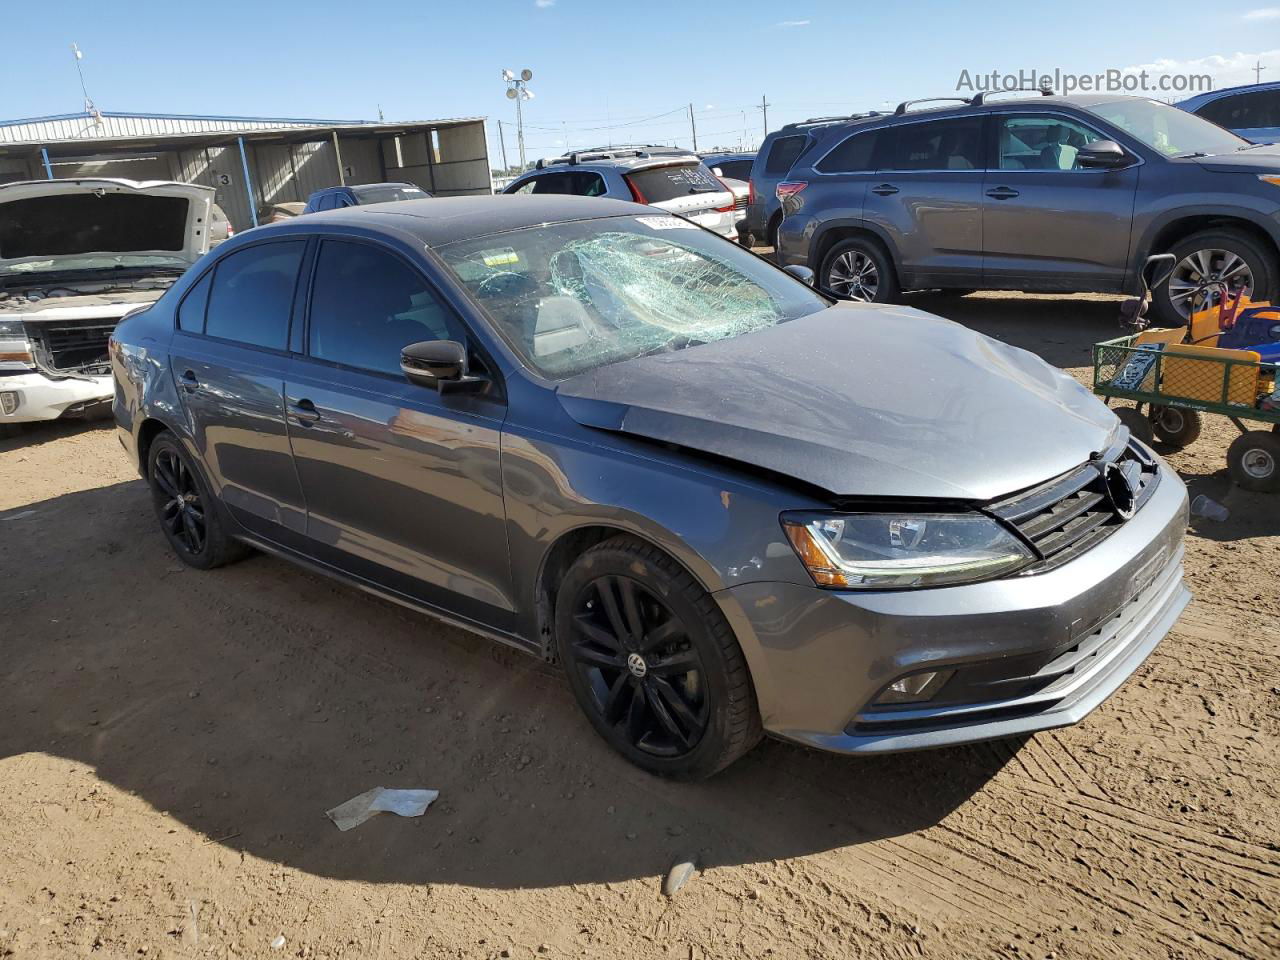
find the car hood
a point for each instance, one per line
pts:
(858, 400)
(1260, 159)
(100, 223)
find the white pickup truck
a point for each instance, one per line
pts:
(75, 257)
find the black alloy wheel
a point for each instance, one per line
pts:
(188, 515)
(183, 512)
(645, 677)
(652, 661)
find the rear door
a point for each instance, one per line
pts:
(228, 358)
(403, 485)
(926, 197)
(1048, 223)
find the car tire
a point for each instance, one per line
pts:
(854, 262)
(1261, 264)
(188, 515)
(1138, 423)
(1253, 460)
(653, 663)
(1176, 426)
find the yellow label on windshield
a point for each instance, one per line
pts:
(500, 258)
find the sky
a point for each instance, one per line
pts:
(603, 72)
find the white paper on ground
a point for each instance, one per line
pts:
(404, 803)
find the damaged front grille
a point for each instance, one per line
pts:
(72, 346)
(1068, 515)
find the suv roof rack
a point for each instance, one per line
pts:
(818, 121)
(906, 105)
(981, 98)
(586, 156)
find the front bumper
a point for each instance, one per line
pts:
(35, 397)
(820, 658)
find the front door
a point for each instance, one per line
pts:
(926, 196)
(1048, 223)
(403, 485)
(228, 359)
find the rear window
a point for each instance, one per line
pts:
(1244, 111)
(783, 154)
(736, 169)
(388, 194)
(667, 183)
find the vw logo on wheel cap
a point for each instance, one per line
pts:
(637, 666)
(1122, 487)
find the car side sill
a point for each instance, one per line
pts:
(317, 566)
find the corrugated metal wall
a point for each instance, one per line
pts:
(85, 127)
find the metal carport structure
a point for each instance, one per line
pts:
(249, 161)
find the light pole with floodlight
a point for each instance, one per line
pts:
(518, 91)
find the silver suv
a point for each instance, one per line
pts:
(673, 180)
(1039, 193)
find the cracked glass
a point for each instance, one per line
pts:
(569, 297)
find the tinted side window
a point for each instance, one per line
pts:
(855, 154)
(252, 294)
(191, 309)
(783, 154)
(735, 169)
(937, 145)
(553, 183)
(1245, 110)
(367, 305)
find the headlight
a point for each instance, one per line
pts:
(14, 348)
(894, 550)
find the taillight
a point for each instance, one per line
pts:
(231, 231)
(733, 203)
(789, 188)
(636, 195)
(751, 192)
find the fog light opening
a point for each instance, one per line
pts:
(8, 402)
(915, 688)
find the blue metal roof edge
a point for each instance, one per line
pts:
(118, 114)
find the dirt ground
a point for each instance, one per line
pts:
(170, 740)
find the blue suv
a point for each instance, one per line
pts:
(1039, 193)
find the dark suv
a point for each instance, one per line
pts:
(773, 161)
(1047, 193)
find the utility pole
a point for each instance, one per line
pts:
(1257, 72)
(502, 141)
(693, 128)
(764, 108)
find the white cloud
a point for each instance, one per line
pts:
(1226, 70)
(709, 106)
(1262, 13)
(785, 24)
(543, 4)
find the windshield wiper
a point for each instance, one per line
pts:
(1190, 156)
(1253, 146)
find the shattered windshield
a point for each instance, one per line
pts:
(569, 297)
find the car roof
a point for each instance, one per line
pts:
(1200, 99)
(442, 220)
(617, 159)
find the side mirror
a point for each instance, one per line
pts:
(441, 365)
(1103, 154)
(800, 272)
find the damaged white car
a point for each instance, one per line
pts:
(75, 257)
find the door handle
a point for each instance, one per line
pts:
(884, 190)
(189, 381)
(305, 412)
(1002, 193)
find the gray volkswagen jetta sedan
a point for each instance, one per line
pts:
(724, 503)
